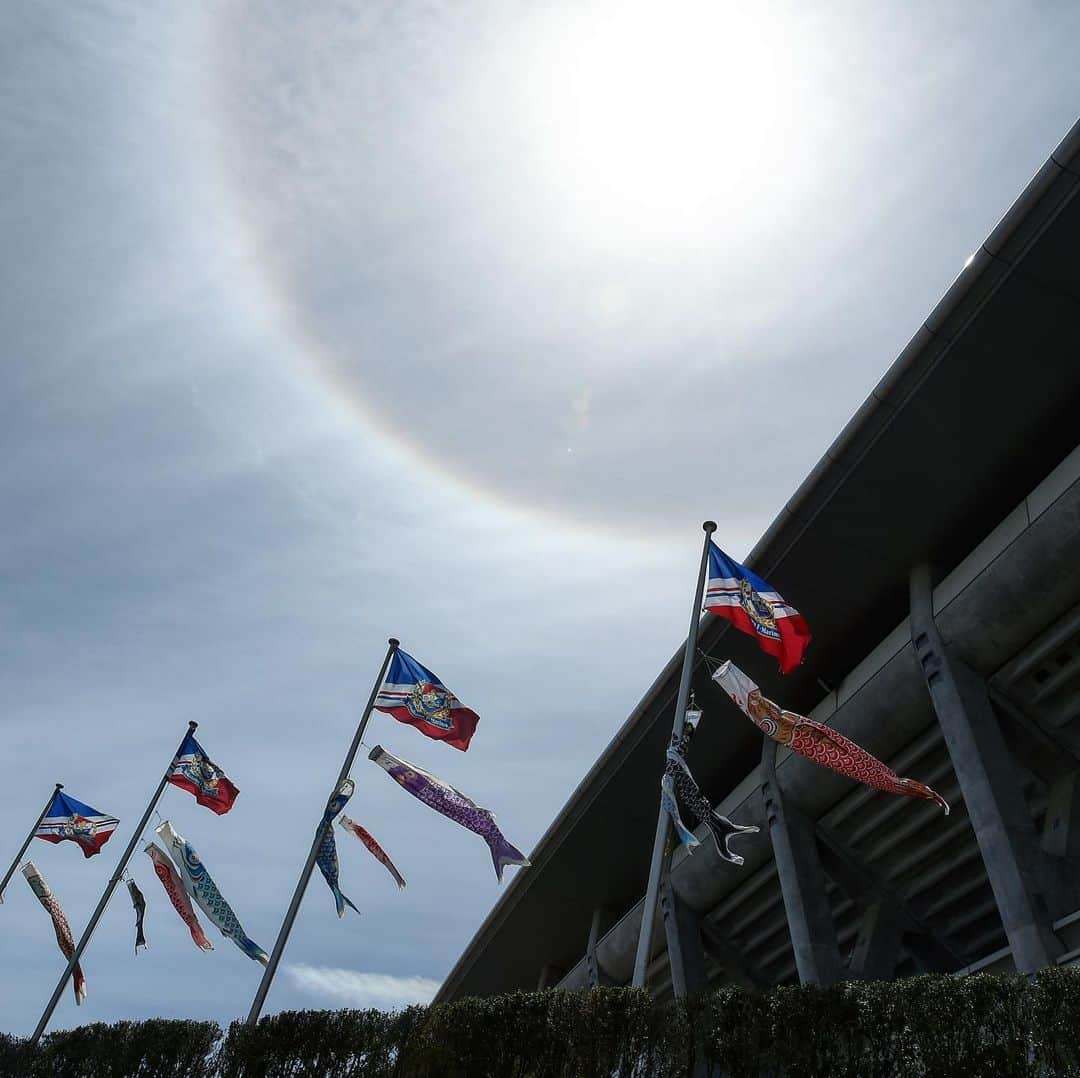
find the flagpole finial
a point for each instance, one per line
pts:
(709, 527)
(394, 642)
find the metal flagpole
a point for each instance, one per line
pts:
(22, 848)
(309, 864)
(104, 900)
(661, 856)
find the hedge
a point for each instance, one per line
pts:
(923, 1027)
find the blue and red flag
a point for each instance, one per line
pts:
(194, 771)
(66, 818)
(756, 608)
(413, 694)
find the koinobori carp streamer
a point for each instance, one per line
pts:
(327, 857)
(64, 939)
(174, 888)
(200, 885)
(452, 804)
(815, 740)
(376, 850)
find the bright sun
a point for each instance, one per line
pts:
(663, 117)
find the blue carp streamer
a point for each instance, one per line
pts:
(671, 806)
(327, 858)
(199, 884)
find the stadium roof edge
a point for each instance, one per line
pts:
(1049, 190)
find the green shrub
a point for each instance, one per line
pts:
(14, 1056)
(609, 1031)
(925, 1027)
(318, 1044)
(157, 1048)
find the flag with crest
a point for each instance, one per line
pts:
(68, 819)
(756, 608)
(194, 771)
(414, 695)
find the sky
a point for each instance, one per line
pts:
(450, 322)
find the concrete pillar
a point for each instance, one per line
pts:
(685, 954)
(549, 977)
(802, 882)
(991, 792)
(877, 947)
(602, 920)
(1061, 831)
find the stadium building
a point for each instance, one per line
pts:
(935, 552)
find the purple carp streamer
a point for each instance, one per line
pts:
(816, 741)
(376, 850)
(697, 804)
(327, 858)
(174, 888)
(200, 885)
(60, 924)
(452, 804)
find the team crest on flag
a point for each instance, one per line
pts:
(430, 704)
(194, 771)
(755, 607)
(69, 819)
(414, 695)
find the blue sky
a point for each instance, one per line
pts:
(448, 322)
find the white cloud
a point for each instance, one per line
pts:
(350, 986)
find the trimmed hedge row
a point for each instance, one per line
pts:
(924, 1026)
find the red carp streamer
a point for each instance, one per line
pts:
(60, 923)
(815, 741)
(376, 850)
(170, 880)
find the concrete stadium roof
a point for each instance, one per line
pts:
(977, 408)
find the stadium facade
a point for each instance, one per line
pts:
(935, 552)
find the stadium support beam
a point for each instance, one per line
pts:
(682, 931)
(1061, 834)
(802, 881)
(999, 816)
(1053, 756)
(602, 920)
(1048, 753)
(929, 953)
(877, 946)
(931, 949)
(549, 977)
(735, 964)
